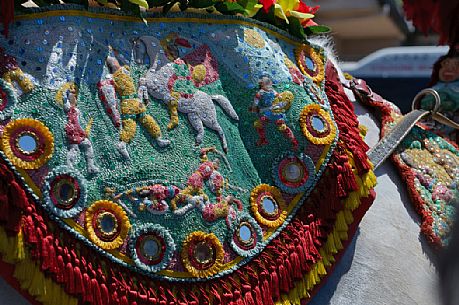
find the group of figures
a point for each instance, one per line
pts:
(154, 198)
(175, 83)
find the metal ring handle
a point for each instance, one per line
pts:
(415, 105)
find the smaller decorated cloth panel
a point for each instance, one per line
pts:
(428, 162)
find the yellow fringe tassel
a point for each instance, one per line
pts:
(348, 216)
(321, 268)
(19, 253)
(28, 273)
(330, 245)
(324, 256)
(352, 201)
(341, 224)
(337, 240)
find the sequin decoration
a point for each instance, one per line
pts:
(317, 125)
(310, 63)
(246, 235)
(294, 174)
(27, 143)
(107, 224)
(268, 205)
(434, 166)
(152, 247)
(7, 100)
(202, 254)
(64, 192)
(253, 38)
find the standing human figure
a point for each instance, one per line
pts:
(77, 137)
(271, 107)
(133, 109)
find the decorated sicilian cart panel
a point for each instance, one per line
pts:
(176, 159)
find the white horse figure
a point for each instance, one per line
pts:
(199, 108)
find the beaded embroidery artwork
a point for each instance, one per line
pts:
(190, 159)
(428, 162)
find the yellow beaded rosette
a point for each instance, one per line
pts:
(317, 125)
(268, 206)
(202, 254)
(27, 143)
(107, 224)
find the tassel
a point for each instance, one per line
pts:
(257, 295)
(44, 254)
(18, 196)
(293, 297)
(124, 301)
(301, 257)
(275, 283)
(352, 202)
(104, 294)
(340, 223)
(349, 178)
(171, 296)
(304, 290)
(143, 298)
(325, 260)
(205, 300)
(311, 247)
(69, 277)
(321, 268)
(237, 298)
(337, 240)
(95, 290)
(330, 245)
(152, 297)
(36, 251)
(36, 285)
(21, 272)
(162, 296)
(316, 275)
(114, 298)
(254, 280)
(266, 295)
(284, 283)
(194, 297)
(361, 160)
(348, 216)
(289, 269)
(217, 298)
(20, 254)
(52, 255)
(247, 291)
(87, 295)
(227, 298)
(340, 184)
(295, 262)
(4, 205)
(60, 268)
(79, 283)
(310, 282)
